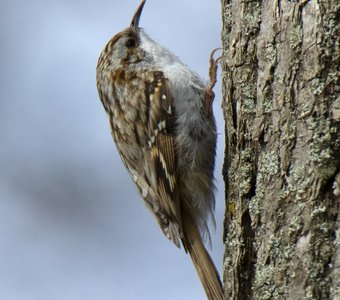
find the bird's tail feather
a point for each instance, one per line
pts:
(203, 263)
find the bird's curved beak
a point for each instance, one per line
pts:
(135, 19)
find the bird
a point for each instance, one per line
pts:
(161, 119)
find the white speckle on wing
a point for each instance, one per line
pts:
(144, 192)
(162, 125)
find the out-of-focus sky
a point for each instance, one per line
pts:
(72, 225)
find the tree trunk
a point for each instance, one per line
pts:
(282, 161)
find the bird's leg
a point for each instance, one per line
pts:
(209, 95)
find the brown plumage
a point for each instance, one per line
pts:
(160, 114)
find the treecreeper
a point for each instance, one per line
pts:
(161, 119)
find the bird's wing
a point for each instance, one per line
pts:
(153, 167)
(161, 149)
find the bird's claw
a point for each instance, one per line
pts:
(209, 94)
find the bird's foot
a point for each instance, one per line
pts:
(209, 94)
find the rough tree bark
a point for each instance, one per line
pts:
(282, 160)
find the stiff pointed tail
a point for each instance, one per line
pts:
(203, 263)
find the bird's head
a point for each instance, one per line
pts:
(124, 48)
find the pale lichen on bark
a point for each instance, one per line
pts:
(282, 111)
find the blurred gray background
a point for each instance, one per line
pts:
(71, 223)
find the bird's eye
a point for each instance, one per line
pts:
(130, 43)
